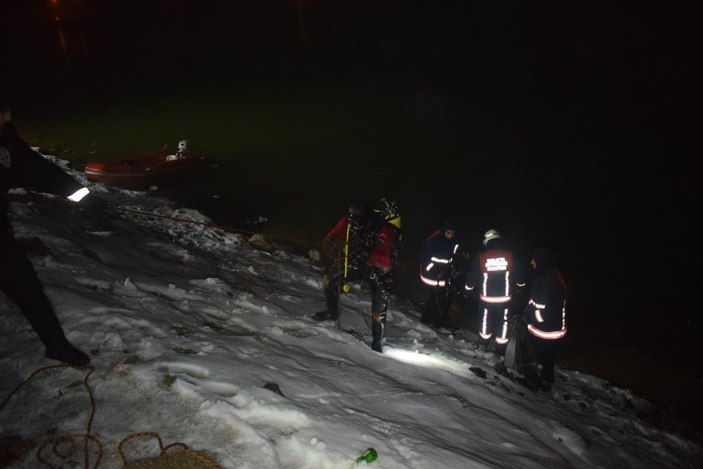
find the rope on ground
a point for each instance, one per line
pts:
(181, 457)
(64, 447)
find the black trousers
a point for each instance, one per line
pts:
(380, 299)
(546, 352)
(494, 321)
(19, 282)
(436, 310)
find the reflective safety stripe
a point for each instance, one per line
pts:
(495, 299)
(503, 330)
(553, 335)
(431, 282)
(538, 315)
(78, 195)
(440, 260)
(484, 332)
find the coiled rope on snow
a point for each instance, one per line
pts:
(65, 446)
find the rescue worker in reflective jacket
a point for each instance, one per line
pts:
(494, 278)
(362, 242)
(437, 271)
(20, 166)
(545, 316)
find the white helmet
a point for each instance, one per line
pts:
(184, 146)
(489, 235)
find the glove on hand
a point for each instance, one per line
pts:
(359, 259)
(93, 203)
(456, 275)
(381, 275)
(383, 279)
(331, 246)
(95, 213)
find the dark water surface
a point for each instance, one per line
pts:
(562, 126)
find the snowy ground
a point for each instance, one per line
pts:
(202, 341)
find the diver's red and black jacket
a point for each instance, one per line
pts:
(436, 258)
(545, 313)
(494, 275)
(370, 246)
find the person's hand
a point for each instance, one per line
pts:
(456, 274)
(95, 213)
(93, 203)
(382, 277)
(387, 276)
(331, 246)
(358, 259)
(526, 315)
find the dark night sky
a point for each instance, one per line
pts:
(595, 102)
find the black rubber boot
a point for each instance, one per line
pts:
(531, 381)
(67, 353)
(545, 386)
(324, 316)
(331, 299)
(378, 325)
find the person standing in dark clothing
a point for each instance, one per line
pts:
(362, 242)
(437, 271)
(390, 212)
(20, 166)
(494, 277)
(545, 316)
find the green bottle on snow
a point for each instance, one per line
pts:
(369, 456)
